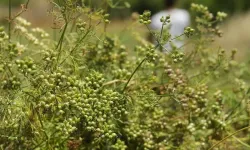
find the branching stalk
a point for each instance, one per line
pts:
(248, 127)
(77, 45)
(136, 69)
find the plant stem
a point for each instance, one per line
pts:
(10, 20)
(59, 45)
(162, 28)
(157, 40)
(241, 142)
(77, 45)
(176, 37)
(24, 8)
(248, 127)
(136, 69)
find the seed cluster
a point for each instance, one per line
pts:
(145, 18)
(87, 91)
(13, 50)
(81, 25)
(188, 31)
(26, 66)
(13, 83)
(177, 56)
(3, 35)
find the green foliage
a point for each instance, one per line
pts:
(86, 90)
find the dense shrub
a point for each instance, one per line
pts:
(89, 91)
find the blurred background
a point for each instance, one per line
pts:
(236, 28)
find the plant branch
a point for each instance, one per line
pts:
(77, 45)
(157, 40)
(248, 127)
(59, 45)
(24, 7)
(136, 69)
(10, 20)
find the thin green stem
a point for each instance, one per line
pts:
(10, 20)
(162, 28)
(157, 40)
(59, 45)
(176, 37)
(77, 45)
(232, 111)
(241, 142)
(248, 127)
(106, 10)
(136, 69)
